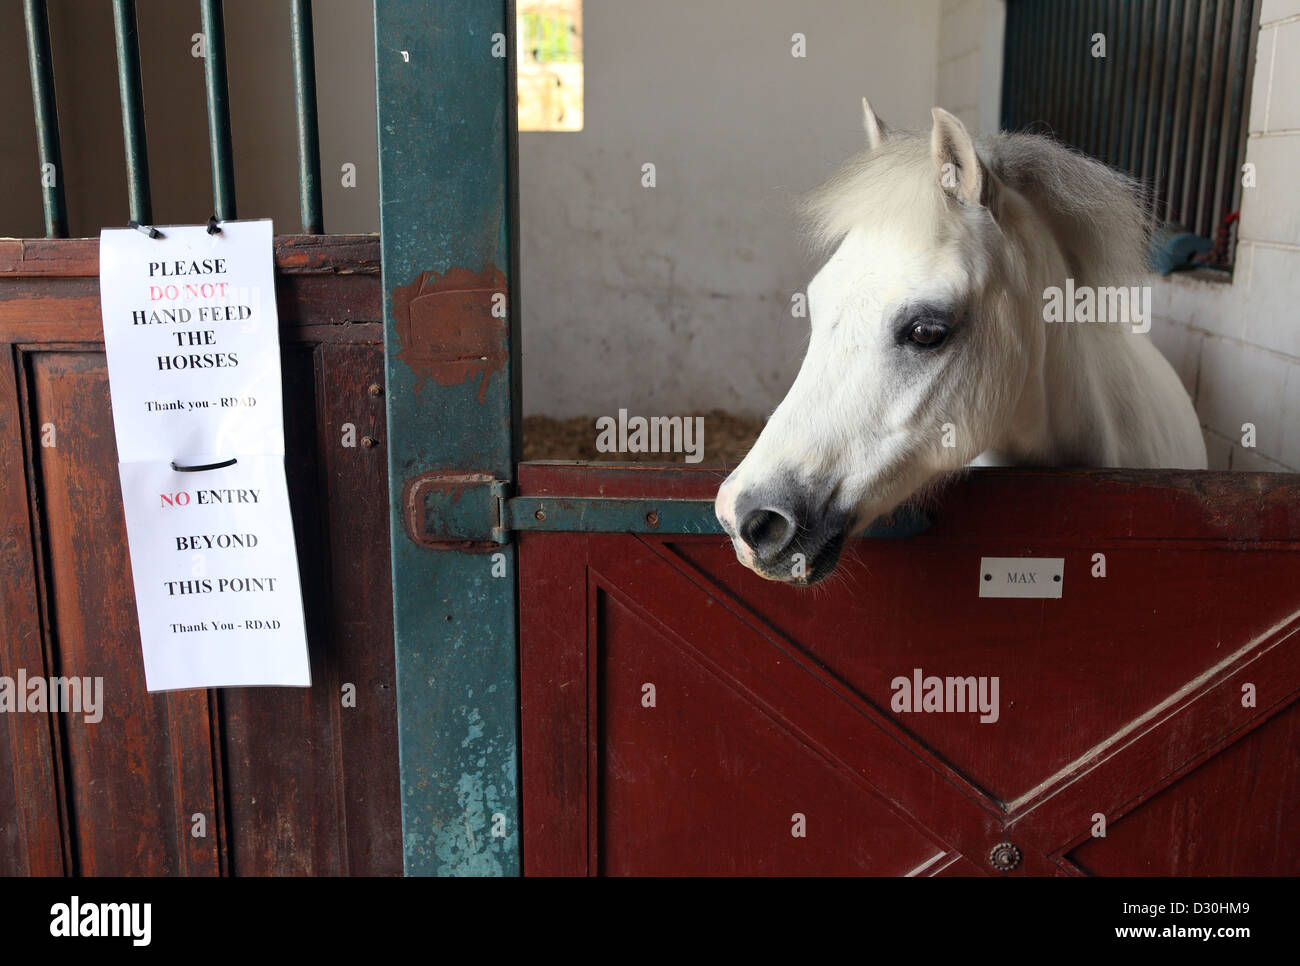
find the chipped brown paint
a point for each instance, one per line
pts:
(446, 329)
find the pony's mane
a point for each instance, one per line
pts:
(1094, 212)
(1097, 214)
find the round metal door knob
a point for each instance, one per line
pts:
(1004, 857)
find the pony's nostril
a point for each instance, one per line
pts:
(767, 531)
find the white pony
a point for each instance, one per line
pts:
(933, 341)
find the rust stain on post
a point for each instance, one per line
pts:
(447, 329)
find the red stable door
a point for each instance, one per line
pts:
(680, 715)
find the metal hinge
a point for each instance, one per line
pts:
(473, 510)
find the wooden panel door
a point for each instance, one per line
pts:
(1156, 703)
(277, 780)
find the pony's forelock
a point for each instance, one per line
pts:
(894, 184)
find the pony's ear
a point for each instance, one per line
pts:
(961, 174)
(875, 127)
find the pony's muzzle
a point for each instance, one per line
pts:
(767, 531)
(779, 530)
(759, 522)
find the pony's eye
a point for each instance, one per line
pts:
(927, 334)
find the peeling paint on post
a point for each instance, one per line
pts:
(446, 178)
(448, 329)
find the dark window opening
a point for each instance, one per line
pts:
(1156, 88)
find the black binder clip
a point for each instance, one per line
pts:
(149, 230)
(213, 227)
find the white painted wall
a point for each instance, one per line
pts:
(676, 298)
(970, 61)
(1237, 346)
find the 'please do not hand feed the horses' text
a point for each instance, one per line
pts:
(192, 339)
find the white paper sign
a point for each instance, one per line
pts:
(192, 339)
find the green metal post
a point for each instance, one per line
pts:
(304, 96)
(128, 84)
(444, 78)
(214, 75)
(47, 117)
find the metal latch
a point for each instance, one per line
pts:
(475, 511)
(455, 509)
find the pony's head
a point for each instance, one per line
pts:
(914, 364)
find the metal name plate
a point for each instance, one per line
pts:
(1022, 576)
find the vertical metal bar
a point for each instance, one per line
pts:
(1066, 46)
(47, 118)
(1185, 119)
(1025, 68)
(1079, 105)
(1010, 67)
(1049, 42)
(1153, 45)
(1200, 80)
(1036, 100)
(1134, 57)
(1237, 130)
(1168, 110)
(214, 74)
(1090, 82)
(1207, 169)
(133, 134)
(446, 177)
(1116, 45)
(1056, 45)
(1013, 71)
(1104, 105)
(304, 97)
(1080, 44)
(1024, 44)
(1154, 48)
(1043, 113)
